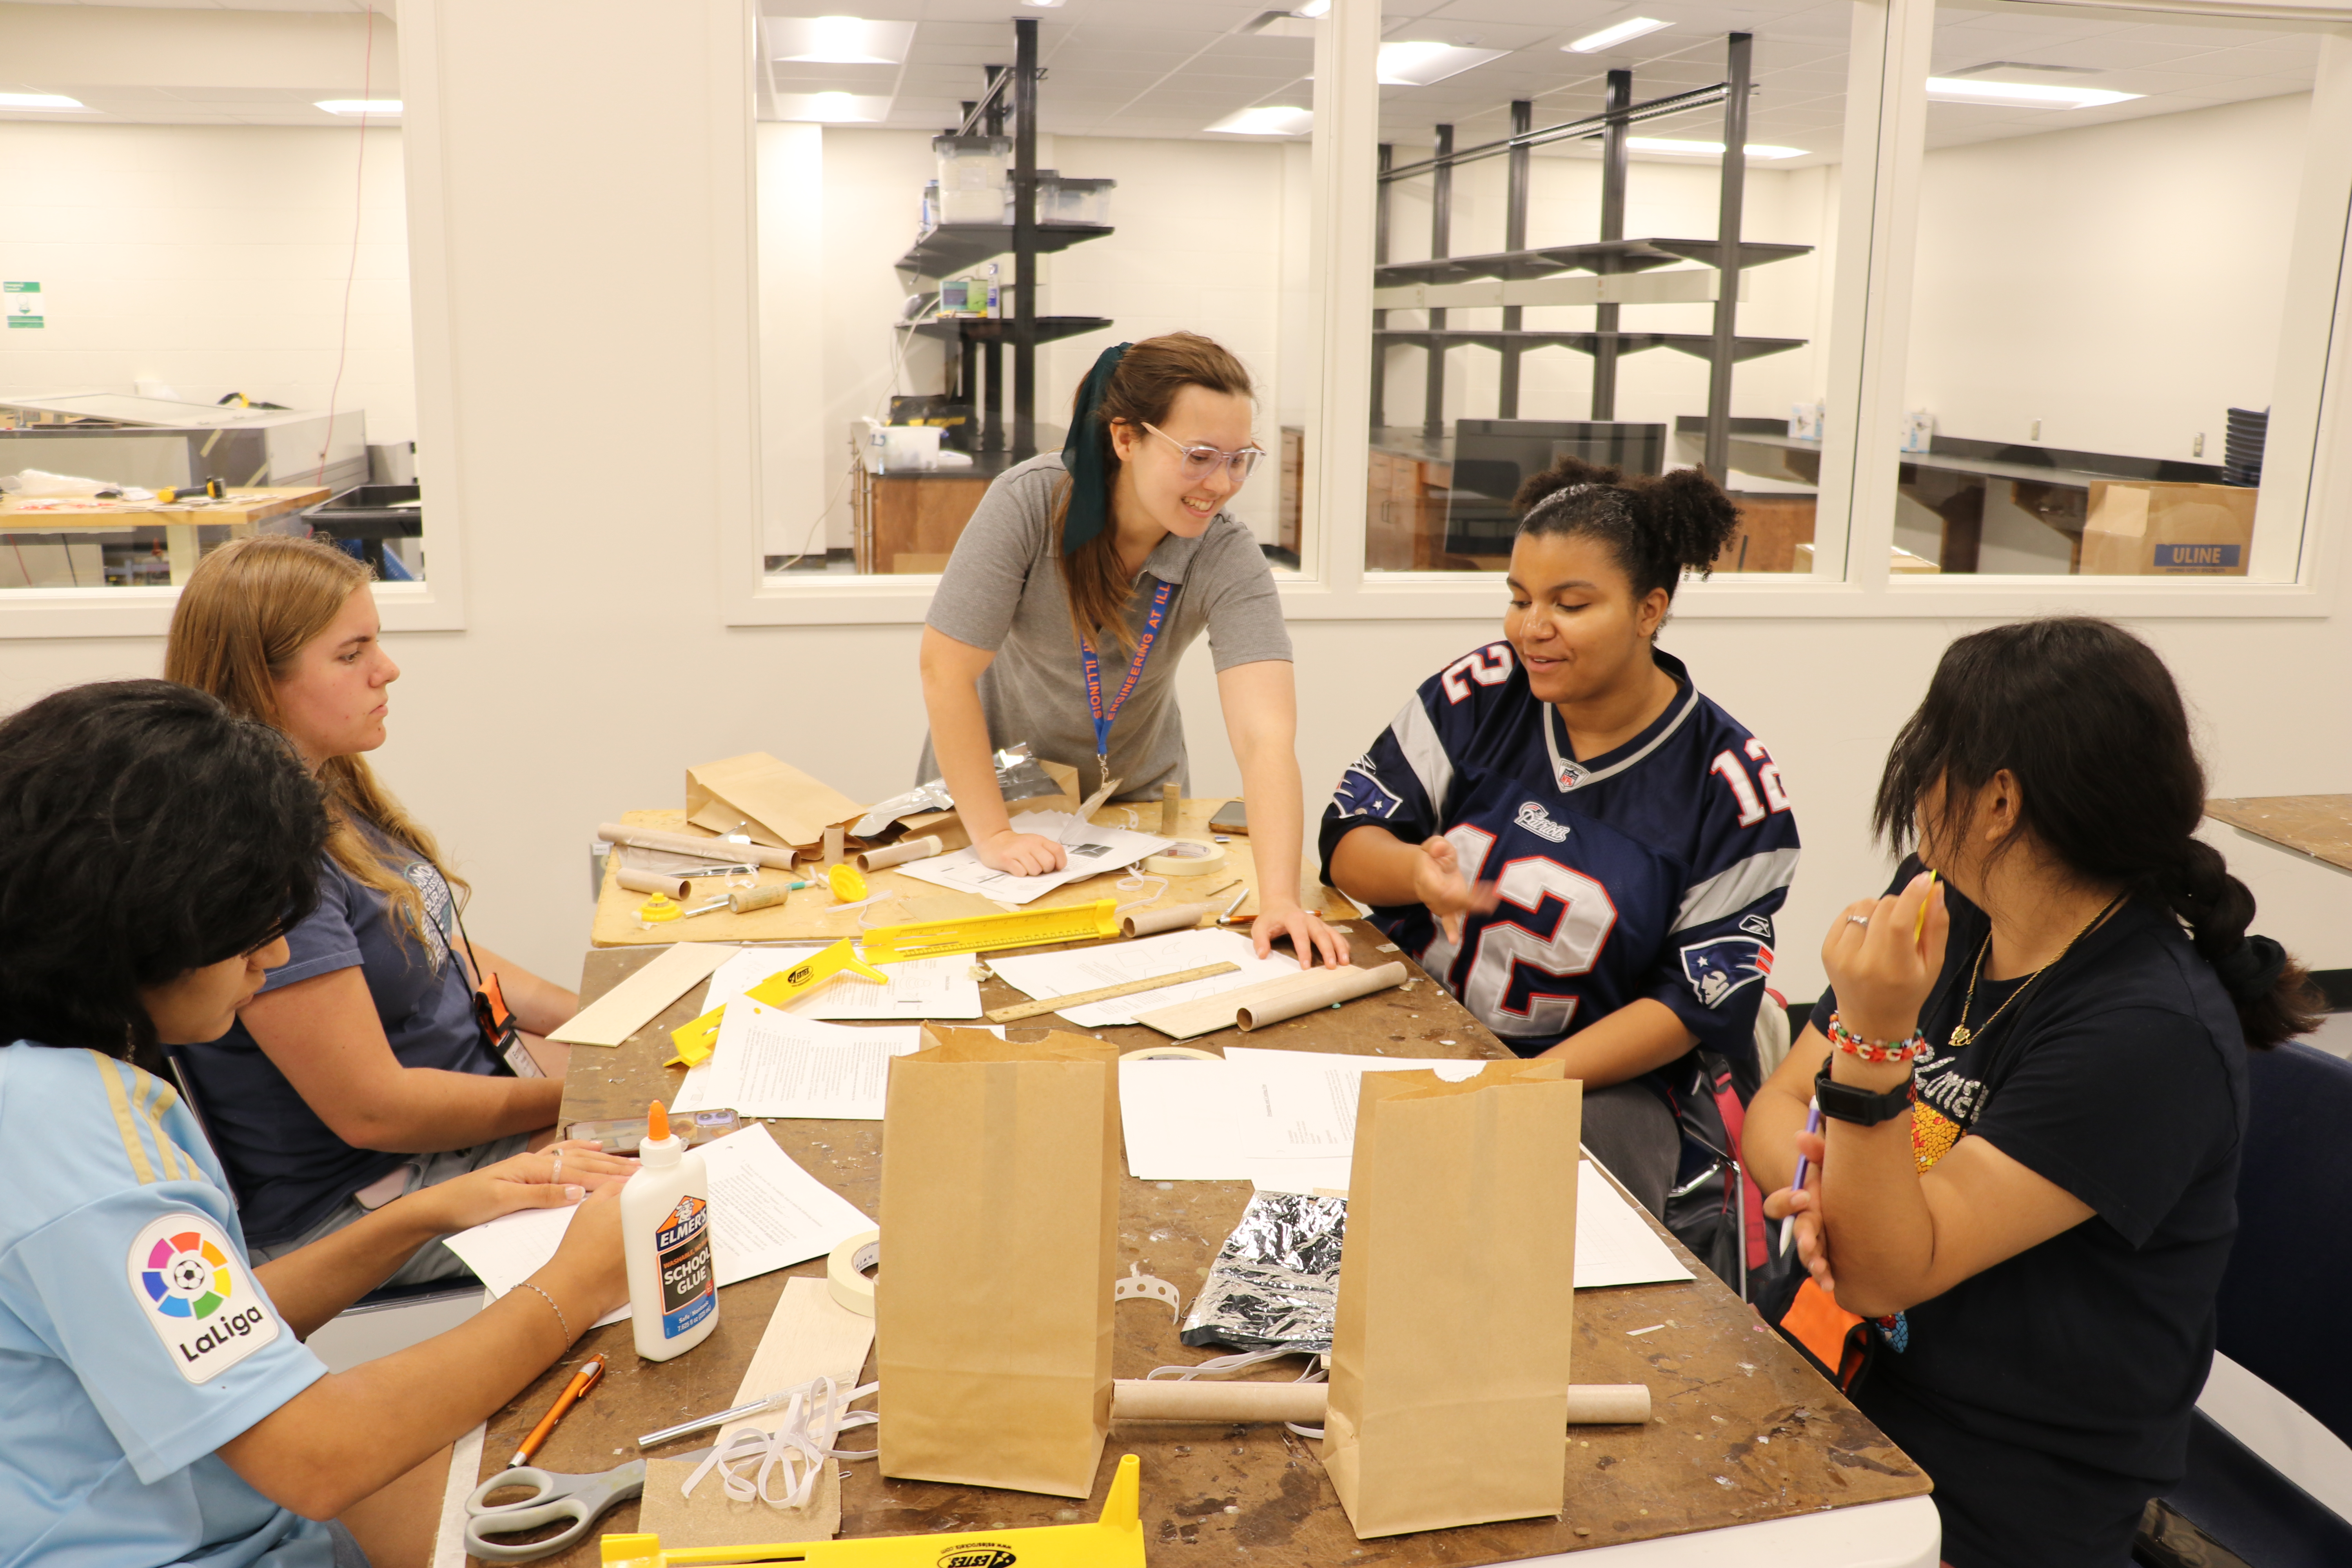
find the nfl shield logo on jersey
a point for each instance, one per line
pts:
(1570, 774)
(1716, 968)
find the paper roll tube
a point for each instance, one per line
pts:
(1165, 1399)
(743, 901)
(678, 888)
(1316, 988)
(715, 849)
(900, 853)
(1151, 922)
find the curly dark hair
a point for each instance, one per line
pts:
(145, 832)
(1657, 526)
(2088, 719)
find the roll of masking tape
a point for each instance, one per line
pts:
(844, 1271)
(1188, 858)
(1170, 1054)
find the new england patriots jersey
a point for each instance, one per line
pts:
(1651, 870)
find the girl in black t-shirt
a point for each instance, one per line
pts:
(2033, 1077)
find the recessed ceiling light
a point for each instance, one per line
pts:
(1706, 149)
(39, 100)
(1266, 120)
(1419, 65)
(839, 40)
(1042, 4)
(1622, 32)
(373, 108)
(832, 107)
(2020, 94)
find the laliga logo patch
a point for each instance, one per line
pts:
(1716, 968)
(197, 1297)
(978, 1554)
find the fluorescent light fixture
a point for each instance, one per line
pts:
(1706, 149)
(1313, 8)
(373, 108)
(833, 108)
(2020, 94)
(39, 100)
(1420, 65)
(1042, 4)
(1617, 33)
(839, 40)
(1266, 119)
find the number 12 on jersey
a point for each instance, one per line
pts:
(1732, 772)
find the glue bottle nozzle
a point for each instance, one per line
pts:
(656, 1122)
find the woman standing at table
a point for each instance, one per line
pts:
(1568, 836)
(1076, 589)
(359, 1071)
(2034, 1077)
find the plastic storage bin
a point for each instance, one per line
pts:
(973, 177)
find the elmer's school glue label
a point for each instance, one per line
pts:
(666, 1243)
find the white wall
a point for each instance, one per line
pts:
(2120, 283)
(595, 655)
(213, 259)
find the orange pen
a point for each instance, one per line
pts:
(577, 1389)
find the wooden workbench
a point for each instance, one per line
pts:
(2316, 827)
(239, 511)
(1743, 1431)
(814, 915)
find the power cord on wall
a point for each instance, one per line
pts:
(350, 273)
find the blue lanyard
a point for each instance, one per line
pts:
(1103, 716)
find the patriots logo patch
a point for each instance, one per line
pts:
(1716, 969)
(1362, 794)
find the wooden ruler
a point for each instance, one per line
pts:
(1105, 993)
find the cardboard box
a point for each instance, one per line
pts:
(2147, 528)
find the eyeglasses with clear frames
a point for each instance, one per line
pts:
(1201, 460)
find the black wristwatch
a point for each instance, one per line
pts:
(1847, 1102)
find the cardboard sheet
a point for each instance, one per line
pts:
(635, 1002)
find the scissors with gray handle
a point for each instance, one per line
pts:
(553, 1497)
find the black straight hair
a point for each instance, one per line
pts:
(2088, 721)
(1656, 526)
(145, 831)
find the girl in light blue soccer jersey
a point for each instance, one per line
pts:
(157, 1404)
(1572, 839)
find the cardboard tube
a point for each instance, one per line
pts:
(1172, 808)
(1179, 917)
(1165, 1399)
(678, 888)
(716, 849)
(896, 854)
(744, 901)
(834, 841)
(1316, 988)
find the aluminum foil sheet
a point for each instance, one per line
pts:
(1276, 1283)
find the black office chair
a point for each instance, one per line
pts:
(2288, 1269)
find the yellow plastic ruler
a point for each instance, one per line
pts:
(991, 933)
(694, 1039)
(1113, 1540)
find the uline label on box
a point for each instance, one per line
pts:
(2197, 557)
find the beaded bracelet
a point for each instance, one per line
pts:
(1904, 1051)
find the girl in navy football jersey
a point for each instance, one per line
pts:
(1569, 836)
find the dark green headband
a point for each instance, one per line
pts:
(1086, 455)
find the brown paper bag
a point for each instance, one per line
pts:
(1449, 1364)
(778, 805)
(1000, 1227)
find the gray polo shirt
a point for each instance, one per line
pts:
(1002, 591)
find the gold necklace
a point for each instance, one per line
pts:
(1962, 1033)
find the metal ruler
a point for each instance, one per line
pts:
(1106, 992)
(991, 933)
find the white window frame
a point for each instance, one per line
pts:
(1868, 341)
(438, 604)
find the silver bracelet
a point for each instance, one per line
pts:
(551, 1307)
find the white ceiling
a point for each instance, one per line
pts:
(193, 62)
(1149, 67)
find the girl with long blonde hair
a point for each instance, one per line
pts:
(359, 1073)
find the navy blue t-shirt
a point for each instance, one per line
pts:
(1653, 870)
(2049, 1396)
(288, 1168)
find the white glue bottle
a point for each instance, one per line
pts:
(666, 1243)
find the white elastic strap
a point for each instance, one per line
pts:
(1226, 1365)
(1135, 878)
(815, 1415)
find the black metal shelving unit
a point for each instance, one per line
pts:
(1612, 253)
(949, 249)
